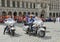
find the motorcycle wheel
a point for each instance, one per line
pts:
(8, 32)
(41, 33)
(12, 33)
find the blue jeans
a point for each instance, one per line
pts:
(30, 25)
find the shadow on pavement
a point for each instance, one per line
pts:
(17, 35)
(47, 31)
(56, 30)
(47, 37)
(32, 34)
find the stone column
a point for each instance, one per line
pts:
(12, 13)
(5, 3)
(24, 4)
(58, 13)
(0, 3)
(20, 4)
(17, 13)
(10, 3)
(38, 7)
(55, 14)
(15, 3)
(47, 15)
(0, 9)
(0, 12)
(32, 5)
(29, 5)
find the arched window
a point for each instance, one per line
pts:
(9, 13)
(42, 13)
(53, 14)
(15, 13)
(20, 13)
(28, 13)
(32, 12)
(56, 14)
(24, 13)
(50, 14)
(43, 5)
(4, 13)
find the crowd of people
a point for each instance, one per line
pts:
(53, 19)
(23, 18)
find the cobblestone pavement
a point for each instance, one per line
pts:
(52, 34)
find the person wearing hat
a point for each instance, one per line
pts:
(30, 22)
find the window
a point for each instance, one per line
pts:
(8, 3)
(33, 5)
(43, 5)
(4, 13)
(50, 14)
(52, 7)
(56, 14)
(53, 14)
(26, 4)
(18, 4)
(22, 4)
(15, 13)
(20, 13)
(49, 6)
(13, 4)
(28, 13)
(24, 13)
(32, 12)
(3, 3)
(30, 5)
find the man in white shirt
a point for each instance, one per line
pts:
(58, 19)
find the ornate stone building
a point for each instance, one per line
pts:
(17, 7)
(44, 8)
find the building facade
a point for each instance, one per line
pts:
(17, 7)
(44, 8)
(54, 8)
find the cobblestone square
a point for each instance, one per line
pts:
(52, 34)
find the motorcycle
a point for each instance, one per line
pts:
(10, 27)
(38, 28)
(10, 30)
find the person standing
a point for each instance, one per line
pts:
(58, 19)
